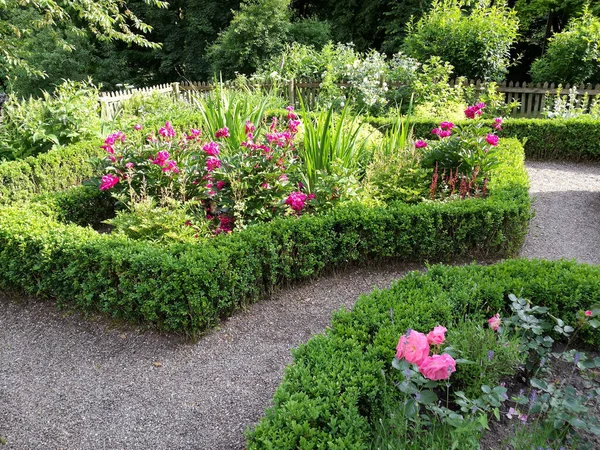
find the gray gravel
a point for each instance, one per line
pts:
(70, 382)
(567, 206)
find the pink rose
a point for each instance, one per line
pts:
(413, 347)
(420, 144)
(588, 313)
(495, 322)
(437, 336)
(438, 367)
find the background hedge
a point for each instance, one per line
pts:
(571, 139)
(333, 391)
(188, 287)
(48, 172)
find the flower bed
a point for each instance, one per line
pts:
(572, 139)
(334, 393)
(188, 287)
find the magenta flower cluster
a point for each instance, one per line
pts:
(475, 110)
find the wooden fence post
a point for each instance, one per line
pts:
(175, 87)
(292, 92)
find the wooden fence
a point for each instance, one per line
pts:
(531, 97)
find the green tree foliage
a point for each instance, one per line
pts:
(109, 20)
(476, 39)
(257, 31)
(573, 56)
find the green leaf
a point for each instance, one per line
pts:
(577, 423)
(539, 384)
(428, 397)
(594, 323)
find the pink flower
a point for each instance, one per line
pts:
(138, 127)
(211, 149)
(497, 123)
(512, 412)
(437, 336)
(283, 177)
(446, 125)
(495, 322)
(293, 125)
(444, 133)
(311, 197)
(438, 367)
(476, 110)
(296, 200)
(588, 313)
(171, 166)
(421, 143)
(129, 165)
(265, 186)
(291, 113)
(167, 131)
(108, 181)
(413, 347)
(220, 185)
(250, 128)
(222, 133)
(212, 163)
(435, 131)
(492, 139)
(161, 158)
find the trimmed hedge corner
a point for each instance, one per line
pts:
(48, 172)
(570, 139)
(332, 393)
(189, 287)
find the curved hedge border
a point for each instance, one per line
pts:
(572, 139)
(334, 389)
(189, 287)
(48, 172)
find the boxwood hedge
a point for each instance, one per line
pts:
(571, 139)
(333, 391)
(188, 287)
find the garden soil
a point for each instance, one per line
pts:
(74, 382)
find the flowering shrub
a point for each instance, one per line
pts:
(230, 190)
(463, 156)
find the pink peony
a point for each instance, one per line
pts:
(171, 166)
(167, 131)
(495, 322)
(250, 128)
(212, 163)
(413, 347)
(108, 181)
(283, 177)
(311, 197)
(435, 131)
(296, 200)
(588, 313)
(293, 125)
(220, 185)
(211, 149)
(420, 144)
(129, 165)
(476, 110)
(161, 158)
(437, 336)
(222, 133)
(438, 367)
(138, 127)
(492, 139)
(444, 133)
(497, 123)
(446, 125)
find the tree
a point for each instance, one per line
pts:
(108, 20)
(476, 39)
(573, 56)
(257, 31)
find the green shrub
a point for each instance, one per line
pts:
(573, 56)
(476, 40)
(571, 139)
(334, 391)
(35, 126)
(48, 172)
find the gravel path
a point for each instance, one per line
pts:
(69, 382)
(567, 206)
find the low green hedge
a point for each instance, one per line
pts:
(48, 172)
(333, 391)
(189, 287)
(571, 139)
